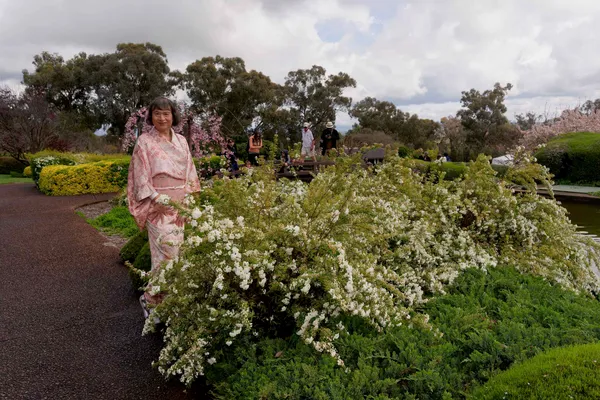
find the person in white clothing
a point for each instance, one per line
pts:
(308, 143)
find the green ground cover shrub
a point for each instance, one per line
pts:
(482, 326)
(565, 373)
(143, 264)
(404, 151)
(133, 246)
(118, 221)
(573, 158)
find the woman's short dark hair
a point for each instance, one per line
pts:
(163, 103)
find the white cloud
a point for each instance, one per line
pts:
(420, 54)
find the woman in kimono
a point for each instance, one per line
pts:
(161, 171)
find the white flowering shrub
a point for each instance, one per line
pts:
(277, 258)
(38, 163)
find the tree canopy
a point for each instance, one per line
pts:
(90, 91)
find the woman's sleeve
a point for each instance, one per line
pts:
(139, 185)
(139, 181)
(193, 183)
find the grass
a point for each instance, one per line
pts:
(5, 179)
(117, 221)
(564, 373)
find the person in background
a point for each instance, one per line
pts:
(231, 154)
(329, 138)
(255, 143)
(308, 143)
(286, 161)
(161, 171)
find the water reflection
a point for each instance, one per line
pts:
(585, 215)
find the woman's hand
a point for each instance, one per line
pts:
(162, 199)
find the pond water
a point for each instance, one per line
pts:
(585, 215)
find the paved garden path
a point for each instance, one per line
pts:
(70, 323)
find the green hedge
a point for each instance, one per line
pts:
(565, 373)
(93, 178)
(486, 323)
(9, 164)
(50, 157)
(573, 158)
(452, 170)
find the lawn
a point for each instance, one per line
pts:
(118, 221)
(4, 179)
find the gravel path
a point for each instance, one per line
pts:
(70, 323)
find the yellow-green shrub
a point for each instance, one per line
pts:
(27, 171)
(42, 159)
(92, 178)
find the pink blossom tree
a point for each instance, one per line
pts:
(570, 120)
(204, 136)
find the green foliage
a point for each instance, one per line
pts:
(573, 157)
(403, 152)
(103, 88)
(118, 221)
(486, 127)
(483, 325)
(27, 172)
(142, 264)
(143, 261)
(209, 165)
(9, 164)
(453, 170)
(315, 97)
(222, 85)
(268, 150)
(566, 373)
(132, 248)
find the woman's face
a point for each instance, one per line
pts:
(162, 119)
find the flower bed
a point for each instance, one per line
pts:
(267, 258)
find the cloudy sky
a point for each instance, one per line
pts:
(418, 54)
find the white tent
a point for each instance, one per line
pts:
(503, 160)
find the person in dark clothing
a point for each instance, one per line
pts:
(329, 138)
(231, 155)
(286, 161)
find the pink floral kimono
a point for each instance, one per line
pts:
(166, 167)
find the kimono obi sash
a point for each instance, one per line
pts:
(165, 184)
